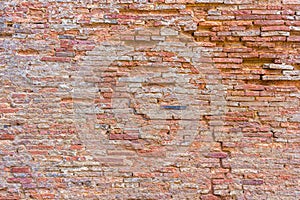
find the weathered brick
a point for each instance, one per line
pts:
(238, 1)
(55, 59)
(275, 28)
(210, 197)
(20, 170)
(266, 12)
(278, 66)
(269, 22)
(217, 155)
(250, 17)
(254, 87)
(209, 1)
(290, 1)
(65, 54)
(275, 33)
(252, 182)
(7, 137)
(168, 31)
(293, 39)
(19, 180)
(228, 60)
(116, 136)
(246, 33)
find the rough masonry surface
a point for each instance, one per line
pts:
(150, 99)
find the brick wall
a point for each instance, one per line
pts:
(150, 99)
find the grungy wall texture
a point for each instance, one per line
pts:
(150, 99)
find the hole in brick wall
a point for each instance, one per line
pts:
(6, 126)
(297, 66)
(5, 34)
(291, 83)
(28, 52)
(258, 60)
(9, 24)
(294, 33)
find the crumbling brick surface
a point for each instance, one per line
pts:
(150, 99)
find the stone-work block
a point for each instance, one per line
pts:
(278, 66)
(168, 31)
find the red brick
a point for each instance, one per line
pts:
(293, 39)
(116, 136)
(222, 181)
(243, 55)
(14, 96)
(48, 196)
(217, 155)
(250, 17)
(238, 2)
(9, 110)
(237, 50)
(269, 22)
(275, 28)
(274, 17)
(20, 170)
(210, 197)
(76, 147)
(252, 93)
(4, 105)
(131, 136)
(19, 180)
(55, 59)
(252, 182)
(254, 87)
(7, 137)
(237, 28)
(256, 39)
(38, 152)
(210, 23)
